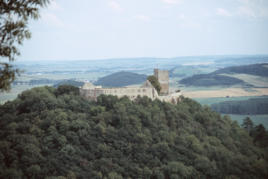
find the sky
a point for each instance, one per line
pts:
(101, 29)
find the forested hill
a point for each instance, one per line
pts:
(218, 77)
(55, 133)
(121, 79)
(254, 69)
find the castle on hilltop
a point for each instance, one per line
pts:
(91, 92)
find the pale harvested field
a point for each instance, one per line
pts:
(251, 79)
(231, 92)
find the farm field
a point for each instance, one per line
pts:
(254, 80)
(226, 92)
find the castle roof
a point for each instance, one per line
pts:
(147, 84)
(88, 85)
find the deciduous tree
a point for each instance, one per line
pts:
(14, 17)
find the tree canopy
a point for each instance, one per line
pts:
(14, 17)
(155, 83)
(55, 133)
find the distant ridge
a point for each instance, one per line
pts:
(120, 79)
(254, 69)
(217, 78)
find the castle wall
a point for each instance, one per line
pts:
(132, 93)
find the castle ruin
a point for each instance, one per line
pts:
(163, 78)
(91, 92)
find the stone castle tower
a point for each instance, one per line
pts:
(163, 78)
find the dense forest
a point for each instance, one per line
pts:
(250, 106)
(54, 133)
(120, 79)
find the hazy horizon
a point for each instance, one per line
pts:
(148, 57)
(111, 29)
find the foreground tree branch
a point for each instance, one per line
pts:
(14, 16)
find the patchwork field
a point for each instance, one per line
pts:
(226, 92)
(254, 80)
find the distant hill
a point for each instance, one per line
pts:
(69, 82)
(120, 79)
(210, 80)
(217, 78)
(255, 69)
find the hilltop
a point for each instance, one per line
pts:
(55, 133)
(120, 79)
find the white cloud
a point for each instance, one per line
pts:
(246, 11)
(172, 1)
(51, 19)
(115, 6)
(253, 8)
(182, 17)
(223, 12)
(187, 22)
(143, 18)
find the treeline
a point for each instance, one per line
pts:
(55, 133)
(250, 106)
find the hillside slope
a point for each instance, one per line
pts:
(48, 132)
(254, 69)
(223, 77)
(121, 79)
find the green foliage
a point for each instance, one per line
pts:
(66, 89)
(155, 83)
(55, 133)
(121, 79)
(64, 82)
(14, 16)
